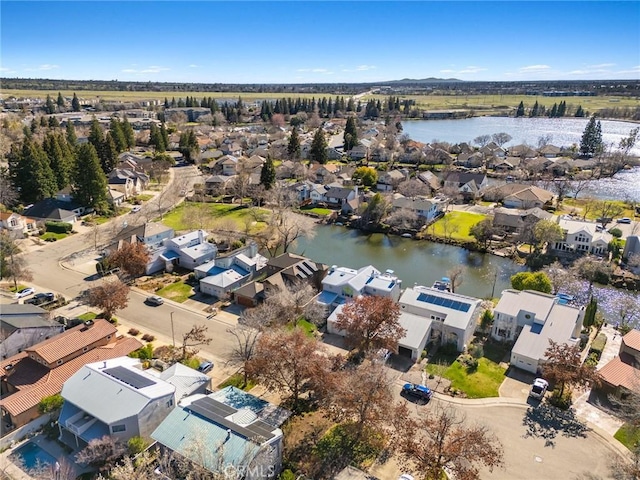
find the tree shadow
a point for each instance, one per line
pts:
(547, 422)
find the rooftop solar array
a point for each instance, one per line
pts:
(130, 378)
(216, 412)
(444, 302)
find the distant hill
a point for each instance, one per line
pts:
(425, 80)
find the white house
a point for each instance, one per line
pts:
(388, 181)
(189, 250)
(342, 284)
(532, 319)
(582, 237)
(16, 225)
(116, 398)
(428, 208)
(22, 326)
(453, 317)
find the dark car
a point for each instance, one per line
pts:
(205, 367)
(419, 391)
(40, 298)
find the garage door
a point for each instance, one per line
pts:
(405, 352)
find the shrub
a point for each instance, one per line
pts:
(449, 349)
(476, 351)
(134, 331)
(136, 445)
(236, 244)
(561, 401)
(143, 353)
(598, 345)
(487, 320)
(592, 360)
(287, 475)
(50, 403)
(148, 338)
(616, 232)
(58, 227)
(469, 362)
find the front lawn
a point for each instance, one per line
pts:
(214, 214)
(306, 326)
(318, 211)
(576, 206)
(628, 435)
(49, 235)
(237, 380)
(480, 383)
(455, 225)
(178, 292)
(87, 316)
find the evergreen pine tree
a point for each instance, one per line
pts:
(562, 108)
(268, 174)
(89, 182)
(60, 101)
(554, 111)
(293, 148)
(96, 135)
(535, 111)
(579, 111)
(43, 122)
(520, 110)
(350, 134)
(318, 152)
(109, 154)
(115, 129)
(165, 136)
(72, 138)
(53, 122)
(129, 134)
(49, 106)
(75, 103)
(32, 174)
(591, 143)
(60, 163)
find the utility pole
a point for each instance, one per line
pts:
(173, 335)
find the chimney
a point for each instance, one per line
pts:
(356, 190)
(228, 437)
(201, 236)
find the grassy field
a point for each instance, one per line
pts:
(178, 292)
(484, 382)
(318, 211)
(457, 222)
(572, 205)
(237, 380)
(215, 213)
(306, 326)
(87, 316)
(628, 435)
(502, 102)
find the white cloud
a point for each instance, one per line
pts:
(315, 70)
(635, 69)
(193, 65)
(364, 68)
(447, 71)
(464, 71)
(535, 68)
(602, 65)
(151, 69)
(48, 66)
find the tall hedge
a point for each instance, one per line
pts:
(58, 227)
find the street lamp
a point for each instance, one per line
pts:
(173, 335)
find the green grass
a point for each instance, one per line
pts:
(572, 205)
(57, 236)
(306, 326)
(191, 362)
(87, 316)
(216, 213)
(15, 289)
(481, 383)
(318, 211)
(178, 292)
(143, 197)
(628, 435)
(461, 222)
(237, 380)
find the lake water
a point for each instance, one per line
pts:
(422, 262)
(562, 131)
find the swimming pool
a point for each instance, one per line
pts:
(32, 456)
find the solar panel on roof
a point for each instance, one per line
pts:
(444, 302)
(130, 378)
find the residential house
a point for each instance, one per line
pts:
(468, 185)
(325, 172)
(549, 151)
(504, 164)
(631, 249)
(527, 197)
(229, 165)
(436, 315)
(188, 251)
(582, 237)
(621, 375)
(522, 151)
(531, 319)
(41, 370)
(513, 220)
(128, 182)
(359, 152)
(153, 235)
(131, 161)
(342, 284)
(231, 149)
(469, 160)
(115, 397)
(16, 225)
(217, 184)
(492, 149)
(428, 208)
(339, 196)
(229, 427)
(22, 326)
(192, 113)
(318, 192)
(51, 209)
(228, 272)
(430, 179)
(389, 181)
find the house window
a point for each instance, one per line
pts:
(118, 428)
(170, 402)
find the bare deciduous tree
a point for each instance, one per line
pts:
(456, 277)
(442, 438)
(102, 453)
(110, 297)
(563, 367)
(195, 337)
(290, 301)
(413, 188)
(244, 348)
(130, 258)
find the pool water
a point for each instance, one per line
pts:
(32, 456)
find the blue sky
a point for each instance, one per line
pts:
(291, 42)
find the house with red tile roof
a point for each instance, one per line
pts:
(41, 370)
(623, 372)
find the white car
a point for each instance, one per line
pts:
(25, 292)
(539, 388)
(136, 209)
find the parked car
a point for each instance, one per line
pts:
(624, 220)
(136, 209)
(40, 298)
(205, 367)
(25, 292)
(539, 388)
(416, 390)
(154, 300)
